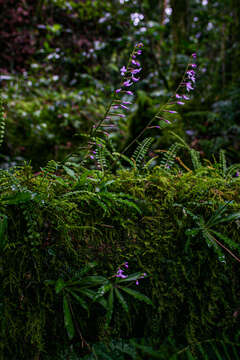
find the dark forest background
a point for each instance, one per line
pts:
(60, 62)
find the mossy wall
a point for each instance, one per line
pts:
(52, 224)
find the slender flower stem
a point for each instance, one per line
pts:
(159, 112)
(107, 112)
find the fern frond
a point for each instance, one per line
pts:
(101, 157)
(181, 141)
(142, 150)
(195, 157)
(152, 160)
(170, 155)
(50, 168)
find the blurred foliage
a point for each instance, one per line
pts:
(66, 48)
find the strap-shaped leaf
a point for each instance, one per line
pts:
(121, 300)
(190, 355)
(60, 284)
(87, 281)
(137, 295)
(68, 322)
(102, 291)
(110, 308)
(91, 295)
(228, 241)
(230, 217)
(80, 300)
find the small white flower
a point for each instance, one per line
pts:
(136, 18)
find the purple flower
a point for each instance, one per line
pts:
(115, 106)
(191, 75)
(124, 107)
(193, 65)
(139, 52)
(127, 83)
(123, 70)
(126, 264)
(92, 157)
(135, 79)
(180, 103)
(178, 96)
(137, 282)
(118, 90)
(135, 71)
(237, 174)
(129, 92)
(139, 45)
(190, 132)
(143, 276)
(127, 102)
(194, 55)
(186, 97)
(134, 62)
(120, 274)
(171, 111)
(189, 86)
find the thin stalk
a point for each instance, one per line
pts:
(158, 113)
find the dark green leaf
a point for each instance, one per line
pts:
(102, 291)
(109, 308)
(80, 300)
(121, 300)
(137, 295)
(229, 218)
(68, 318)
(59, 285)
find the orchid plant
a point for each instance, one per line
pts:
(122, 100)
(81, 290)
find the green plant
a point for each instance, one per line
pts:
(78, 289)
(115, 289)
(206, 230)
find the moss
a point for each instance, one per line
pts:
(56, 226)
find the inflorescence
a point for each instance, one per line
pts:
(118, 106)
(120, 273)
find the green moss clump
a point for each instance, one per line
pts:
(52, 224)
